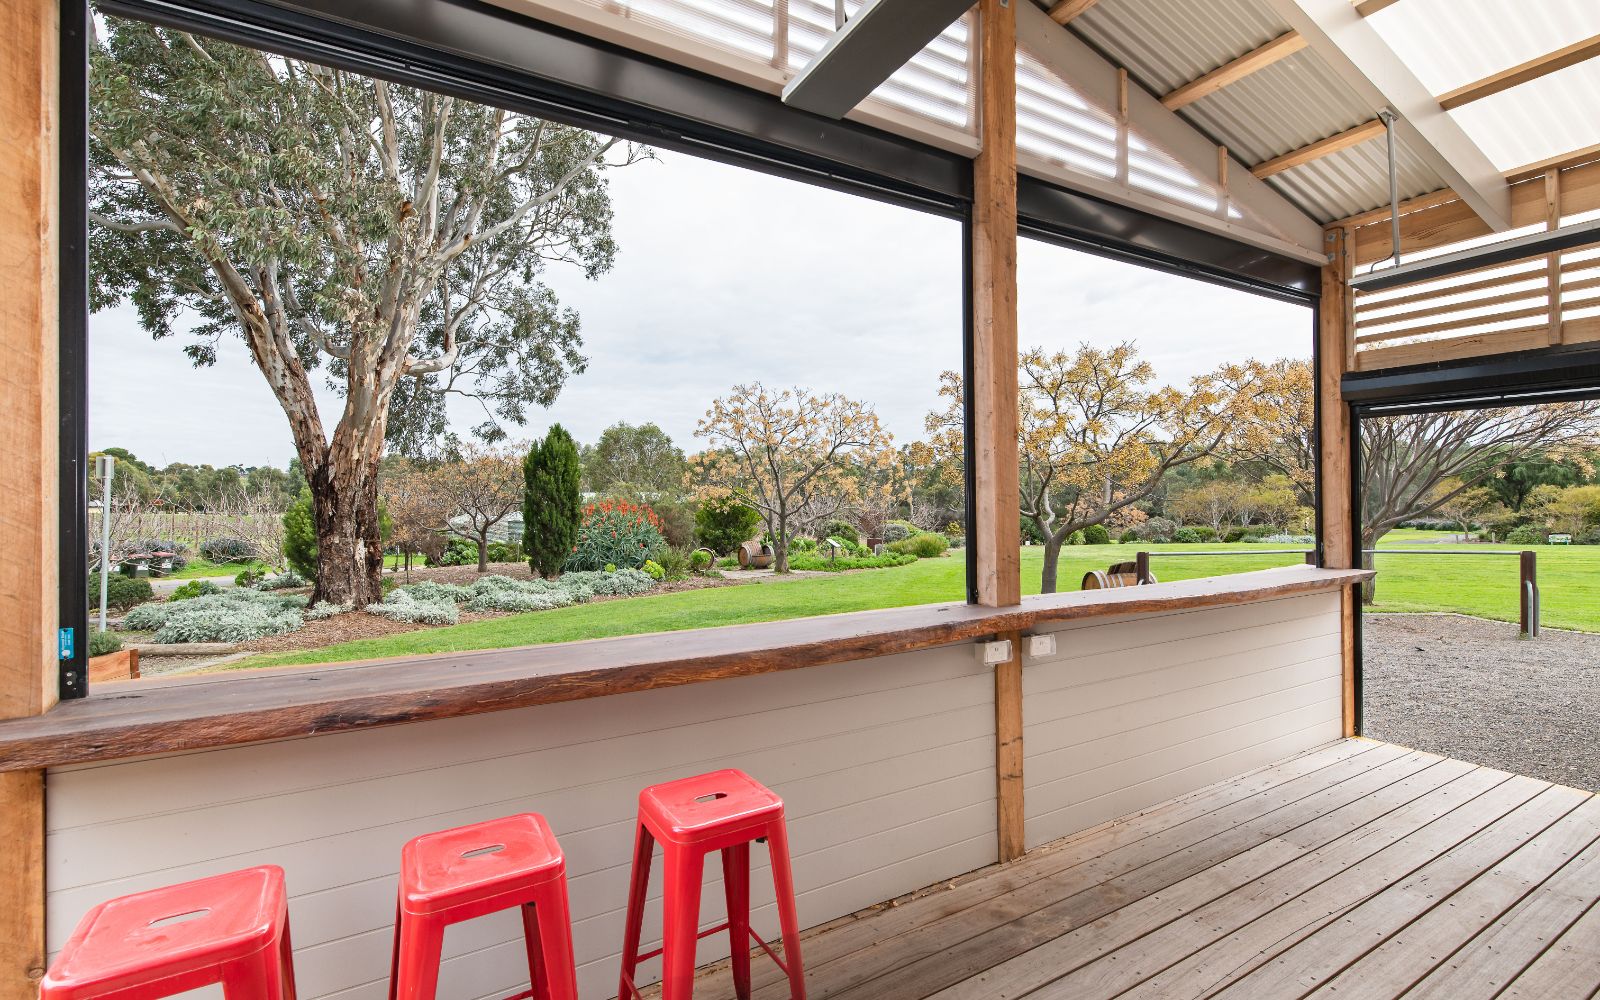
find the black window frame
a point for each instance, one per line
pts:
(482, 53)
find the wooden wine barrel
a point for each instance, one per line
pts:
(1123, 574)
(754, 555)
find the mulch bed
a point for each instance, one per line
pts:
(1471, 689)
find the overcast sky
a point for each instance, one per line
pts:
(726, 275)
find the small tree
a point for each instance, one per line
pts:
(1216, 504)
(637, 461)
(300, 536)
(416, 509)
(790, 453)
(479, 491)
(724, 521)
(551, 507)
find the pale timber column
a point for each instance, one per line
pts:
(994, 390)
(1339, 530)
(29, 54)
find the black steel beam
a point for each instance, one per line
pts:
(1548, 374)
(878, 39)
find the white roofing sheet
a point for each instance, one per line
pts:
(1451, 43)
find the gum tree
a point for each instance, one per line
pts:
(393, 237)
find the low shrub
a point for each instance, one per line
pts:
(121, 591)
(102, 643)
(1188, 536)
(325, 609)
(249, 577)
(797, 545)
(283, 581)
(722, 523)
(701, 560)
(193, 589)
(1096, 534)
(459, 552)
(842, 530)
(653, 569)
(1076, 538)
(675, 563)
(1248, 534)
(503, 552)
(616, 533)
(1527, 534)
(1156, 529)
(237, 615)
(621, 583)
(885, 561)
(228, 550)
(431, 591)
(895, 531)
(927, 545)
(518, 599)
(1127, 536)
(400, 606)
(1282, 539)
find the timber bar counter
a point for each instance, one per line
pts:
(903, 760)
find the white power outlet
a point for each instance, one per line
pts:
(992, 653)
(1040, 646)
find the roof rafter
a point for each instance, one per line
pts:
(1351, 47)
(1063, 11)
(1367, 8)
(1259, 58)
(1533, 69)
(1317, 150)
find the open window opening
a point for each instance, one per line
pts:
(1483, 522)
(377, 370)
(1166, 425)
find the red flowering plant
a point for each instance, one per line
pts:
(616, 533)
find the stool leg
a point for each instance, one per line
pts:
(536, 966)
(394, 957)
(736, 886)
(553, 920)
(682, 931)
(783, 882)
(257, 977)
(643, 846)
(286, 962)
(421, 941)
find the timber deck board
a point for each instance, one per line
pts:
(1357, 870)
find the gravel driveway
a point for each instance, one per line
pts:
(1471, 689)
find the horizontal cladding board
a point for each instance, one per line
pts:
(1131, 712)
(887, 777)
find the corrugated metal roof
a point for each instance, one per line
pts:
(1292, 103)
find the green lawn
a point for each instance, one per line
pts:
(198, 567)
(1484, 586)
(927, 581)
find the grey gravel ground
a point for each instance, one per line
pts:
(1471, 689)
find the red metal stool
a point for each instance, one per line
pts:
(475, 870)
(723, 810)
(231, 929)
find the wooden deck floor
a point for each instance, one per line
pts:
(1359, 870)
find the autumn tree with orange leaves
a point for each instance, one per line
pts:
(1094, 439)
(790, 453)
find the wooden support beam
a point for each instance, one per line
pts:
(1065, 10)
(993, 391)
(1528, 171)
(1282, 47)
(1317, 150)
(1008, 752)
(1367, 8)
(29, 172)
(1533, 69)
(1335, 356)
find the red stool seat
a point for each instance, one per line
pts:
(708, 807)
(231, 929)
(475, 870)
(722, 811)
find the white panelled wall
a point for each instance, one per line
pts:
(886, 767)
(1133, 711)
